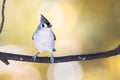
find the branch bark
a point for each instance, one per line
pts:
(2, 15)
(4, 57)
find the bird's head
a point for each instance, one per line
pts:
(44, 23)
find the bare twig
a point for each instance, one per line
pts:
(2, 15)
(4, 57)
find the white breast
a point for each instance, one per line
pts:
(44, 40)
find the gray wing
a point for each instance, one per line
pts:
(54, 39)
(33, 37)
(54, 36)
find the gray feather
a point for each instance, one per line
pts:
(54, 36)
(44, 20)
(33, 37)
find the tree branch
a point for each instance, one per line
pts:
(4, 57)
(2, 15)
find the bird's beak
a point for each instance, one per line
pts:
(49, 26)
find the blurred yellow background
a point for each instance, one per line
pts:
(81, 26)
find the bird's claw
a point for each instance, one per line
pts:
(52, 58)
(35, 56)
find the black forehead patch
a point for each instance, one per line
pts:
(48, 24)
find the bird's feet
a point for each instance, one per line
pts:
(35, 56)
(52, 58)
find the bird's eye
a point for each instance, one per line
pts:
(43, 25)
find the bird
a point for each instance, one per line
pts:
(44, 38)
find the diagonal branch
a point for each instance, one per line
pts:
(4, 57)
(2, 15)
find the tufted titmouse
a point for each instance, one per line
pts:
(44, 38)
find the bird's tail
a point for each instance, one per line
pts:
(54, 49)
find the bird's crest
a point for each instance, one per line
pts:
(44, 20)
